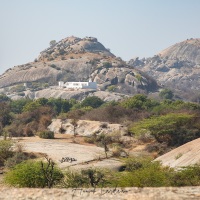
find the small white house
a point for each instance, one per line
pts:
(78, 85)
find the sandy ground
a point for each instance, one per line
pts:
(171, 193)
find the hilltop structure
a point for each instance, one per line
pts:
(78, 85)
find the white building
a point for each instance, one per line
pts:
(78, 85)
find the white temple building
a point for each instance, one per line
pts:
(78, 85)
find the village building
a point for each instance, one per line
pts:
(78, 85)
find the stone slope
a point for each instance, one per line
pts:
(76, 59)
(177, 67)
(185, 155)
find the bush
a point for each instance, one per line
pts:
(16, 159)
(153, 176)
(46, 134)
(188, 176)
(85, 178)
(5, 150)
(166, 94)
(30, 174)
(142, 172)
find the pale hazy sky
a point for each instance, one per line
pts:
(129, 28)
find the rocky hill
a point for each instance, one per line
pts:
(177, 67)
(76, 59)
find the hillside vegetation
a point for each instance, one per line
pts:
(160, 125)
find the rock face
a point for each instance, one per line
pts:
(76, 59)
(177, 67)
(182, 156)
(85, 127)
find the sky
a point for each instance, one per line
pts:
(129, 28)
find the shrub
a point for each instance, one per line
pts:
(85, 178)
(5, 150)
(142, 172)
(111, 88)
(16, 159)
(153, 176)
(187, 176)
(166, 94)
(136, 163)
(30, 174)
(46, 134)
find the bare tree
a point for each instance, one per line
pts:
(74, 123)
(48, 171)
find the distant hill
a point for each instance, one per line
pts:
(76, 59)
(177, 67)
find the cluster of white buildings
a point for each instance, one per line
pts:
(78, 85)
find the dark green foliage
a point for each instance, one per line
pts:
(106, 65)
(59, 105)
(31, 174)
(52, 42)
(31, 106)
(93, 102)
(139, 102)
(4, 98)
(5, 116)
(173, 128)
(46, 134)
(166, 94)
(42, 101)
(55, 67)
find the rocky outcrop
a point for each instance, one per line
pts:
(177, 67)
(76, 59)
(84, 127)
(182, 156)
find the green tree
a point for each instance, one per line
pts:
(59, 105)
(173, 128)
(52, 42)
(18, 105)
(31, 106)
(139, 101)
(93, 102)
(166, 94)
(5, 116)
